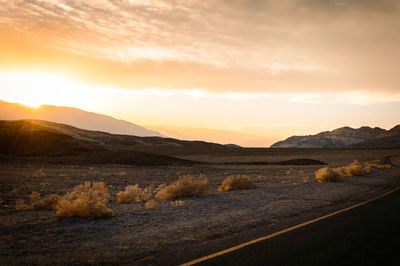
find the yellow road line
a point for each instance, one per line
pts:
(222, 252)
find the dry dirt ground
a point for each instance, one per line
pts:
(136, 235)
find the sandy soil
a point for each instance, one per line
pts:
(135, 235)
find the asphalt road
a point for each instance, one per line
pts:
(367, 235)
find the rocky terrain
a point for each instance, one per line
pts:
(363, 137)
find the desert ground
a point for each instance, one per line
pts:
(171, 232)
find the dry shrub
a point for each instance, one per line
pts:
(39, 173)
(49, 202)
(122, 173)
(384, 166)
(328, 174)
(151, 204)
(371, 166)
(289, 172)
(236, 182)
(134, 194)
(36, 202)
(260, 177)
(20, 205)
(86, 200)
(186, 186)
(354, 169)
(178, 203)
(34, 196)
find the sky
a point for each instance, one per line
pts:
(238, 71)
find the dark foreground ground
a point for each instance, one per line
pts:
(367, 235)
(286, 195)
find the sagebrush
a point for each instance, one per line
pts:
(186, 186)
(86, 200)
(133, 193)
(371, 166)
(236, 182)
(328, 174)
(354, 169)
(37, 202)
(151, 204)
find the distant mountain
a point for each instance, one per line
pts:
(42, 142)
(233, 145)
(75, 117)
(38, 140)
(363, 137)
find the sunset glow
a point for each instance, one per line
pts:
(35, 89)
(264, 70)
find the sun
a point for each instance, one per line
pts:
(35, 89)
(33, 103)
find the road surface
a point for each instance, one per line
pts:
(367, 235)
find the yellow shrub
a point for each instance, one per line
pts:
(48, 202)
(354, 169)
(85, 200)
(20, 205)
(178, 203)
(370, 166)
(185, 186)
(327, 174)
(236, 182)
(39, 173)
(134, 194)
(151, 204)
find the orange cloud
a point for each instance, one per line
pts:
(244, 46)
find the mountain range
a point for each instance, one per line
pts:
(363, 137)
(74, 117)
(43, 141)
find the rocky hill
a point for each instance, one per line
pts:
(74, 117)
(38, 140)
(363, 137)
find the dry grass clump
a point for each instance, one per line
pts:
(354, 169)
(86, 200)
(178, 203)
(39, 173)
(20, 205)
(48, 202)
(186, 186)
(371, 166)
(151, 204)
(328, 174)
(134, 194)
(236, 182)
(289, 172)
(36, 202)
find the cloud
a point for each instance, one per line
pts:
(220, 46)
